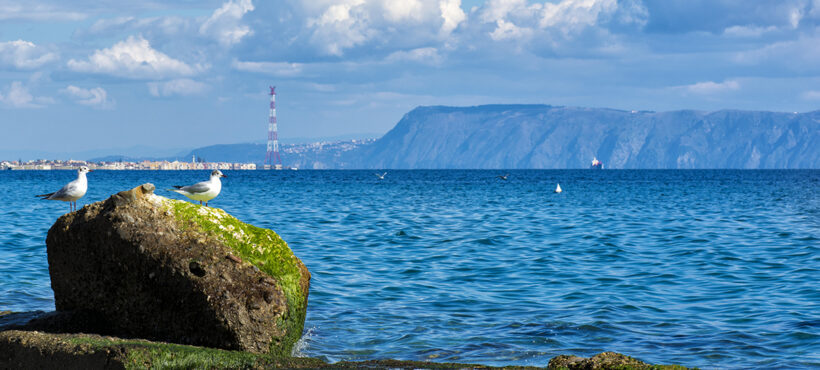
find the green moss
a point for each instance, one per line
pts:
(261, 247)
(138, 354)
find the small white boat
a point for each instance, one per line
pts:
(558, 188)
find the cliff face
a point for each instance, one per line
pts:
(543, 136)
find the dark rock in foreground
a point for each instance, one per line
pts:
(604, 360)
(36, 350)
(149, 267)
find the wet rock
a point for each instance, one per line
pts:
(601, 361)
(150, 267)
(36, 350)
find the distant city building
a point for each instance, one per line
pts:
(42, 164)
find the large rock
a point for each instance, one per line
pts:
(161, 269)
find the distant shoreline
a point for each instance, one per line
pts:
(47, 165)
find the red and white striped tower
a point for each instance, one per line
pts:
(272, 157)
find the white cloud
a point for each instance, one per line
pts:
(801, 53)
(336, 26)
(495, 10)
(166, 25)
(710, 87)
(566, 15)
(398, 11)
(748, 31)
(184, 87)
(573, 15)
(224, 22)
(280, 69)
(37, 12)
(95, 97)
(428, 56)
(507, 30)
(552, 22)
(558, 27)
(341, 26)
(811, 95)
(24, 55)
(18, 96)
(134, 58)
(452, 14)
(795, 15)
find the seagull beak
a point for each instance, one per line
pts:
(223, 176)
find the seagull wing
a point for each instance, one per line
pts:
(67, 190)
(200, 187)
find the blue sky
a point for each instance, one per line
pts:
(84, 75)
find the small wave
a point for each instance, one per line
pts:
(301, 346)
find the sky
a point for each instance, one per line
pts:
(107, 74)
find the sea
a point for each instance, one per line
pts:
(707, 268)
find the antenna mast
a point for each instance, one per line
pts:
(272, 159)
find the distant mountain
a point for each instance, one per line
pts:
(543, 136)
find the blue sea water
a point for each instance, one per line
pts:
(712, 268)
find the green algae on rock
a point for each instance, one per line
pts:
(20, 349)
(36, 350)
(605, 360)
(31, 349)
(161, 269)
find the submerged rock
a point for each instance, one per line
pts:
(161, 269)
(604, 360)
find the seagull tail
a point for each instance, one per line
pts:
(44, 196)
(178, 191)
(176, 187)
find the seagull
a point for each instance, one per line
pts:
(202, 191)
(503, 177)
(72, 191)
(381, 177)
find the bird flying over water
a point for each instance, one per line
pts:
(381, 177)
(202, 191)
(72, 191)
(504, 177)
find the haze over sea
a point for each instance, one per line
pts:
(708, 268)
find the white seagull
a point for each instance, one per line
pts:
(381, 177)
(72, 191)
(202, 191)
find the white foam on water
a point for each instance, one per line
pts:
(303, 343)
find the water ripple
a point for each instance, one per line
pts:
(715, 269)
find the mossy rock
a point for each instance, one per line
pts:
(161, 269)
(36, 350)
(605, 361)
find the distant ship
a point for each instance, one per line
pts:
(596, 164)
